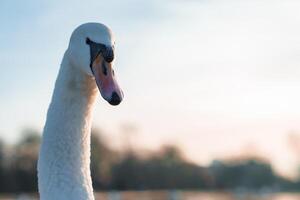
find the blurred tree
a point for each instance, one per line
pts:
(126, 173)
(24, 162)
(102, 159)
(163, 169)
(166, 170)
(2, 167)
(171, 154)
(250, 174)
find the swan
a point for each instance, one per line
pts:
(64, 158)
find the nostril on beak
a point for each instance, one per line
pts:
(115, 99)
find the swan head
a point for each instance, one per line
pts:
(91, 49)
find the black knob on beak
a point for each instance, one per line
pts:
(115, 99)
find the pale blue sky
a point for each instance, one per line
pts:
(214, 77)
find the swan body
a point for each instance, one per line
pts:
(64, 159)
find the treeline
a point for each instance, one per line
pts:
(129, 170)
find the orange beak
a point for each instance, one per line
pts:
(106, 81)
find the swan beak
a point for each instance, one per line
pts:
(106, 81)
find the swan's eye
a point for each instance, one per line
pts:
(113, 72)
(108, 54)
(104, 69)
(87, 40)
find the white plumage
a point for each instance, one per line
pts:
(64, 160)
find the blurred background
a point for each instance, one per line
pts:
(211, 96)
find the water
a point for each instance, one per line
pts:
(174, 195)
(178, 195)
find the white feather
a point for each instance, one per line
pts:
(64, 160)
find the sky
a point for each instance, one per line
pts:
(218, 78)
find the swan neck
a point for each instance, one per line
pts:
(64, 161)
